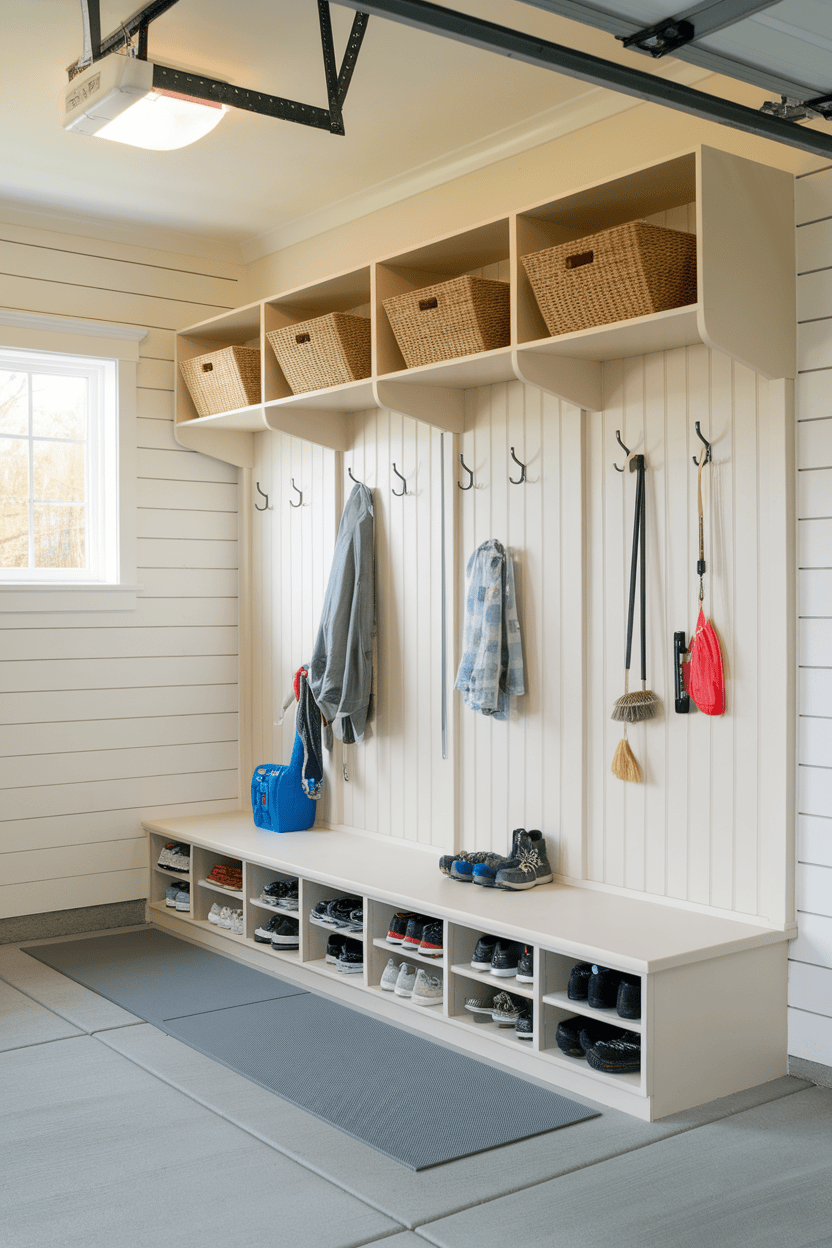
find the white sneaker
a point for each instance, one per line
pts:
(214, 913)
(427, 990)
(405, 980)
(225, 917)
(237, 922)
(389, 975)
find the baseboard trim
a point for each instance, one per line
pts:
(801, 1068)
(71, 922)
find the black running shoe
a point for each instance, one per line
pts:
(334, 946)
(568, 1036)
(579, 981)
(398, 926)
(263, 934)
(628, 1001)
(281, 893)
(484, 952)
(592, 1032)
(525, 967)
(351, 958)
(620, 1055)
(432, 936)
(602, 989)
(285, 933)
(413, 935)
(524, 1027)
(505, 959)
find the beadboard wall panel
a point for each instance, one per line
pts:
(109, 717)
(695, 830)
(810, 1013)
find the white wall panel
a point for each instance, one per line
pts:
(810, 1034)
(814, 444)
(814, 941)
(814, 889)
(814, 840)
(117, 715)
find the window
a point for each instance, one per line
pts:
(58, 461)
(67, 463)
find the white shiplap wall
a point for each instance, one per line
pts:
(107, 717)
(810, 968)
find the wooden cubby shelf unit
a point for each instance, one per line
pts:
(700, 974)
(745, 306)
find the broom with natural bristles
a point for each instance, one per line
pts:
(632, 708)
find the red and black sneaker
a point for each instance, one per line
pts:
(431, 946)
(398, 926)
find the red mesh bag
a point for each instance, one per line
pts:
(704, 678)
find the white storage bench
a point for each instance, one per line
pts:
(713, 990)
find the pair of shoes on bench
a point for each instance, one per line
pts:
(526, 865)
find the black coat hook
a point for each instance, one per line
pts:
(265, 506)
(522, 476)
(470, 475)
(400, 493)
(624, 448)
(300, 496)
(352, 478)
(707, 459)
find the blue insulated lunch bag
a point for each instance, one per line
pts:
(278, 801)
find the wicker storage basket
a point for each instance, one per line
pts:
(630, 270)
(459, 317)
(223, 380)
(326, 351)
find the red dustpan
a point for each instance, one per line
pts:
(704, 677)
(702, 672)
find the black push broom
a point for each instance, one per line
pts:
(632, 708)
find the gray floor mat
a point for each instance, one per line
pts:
(415, 1101)
(157, 976)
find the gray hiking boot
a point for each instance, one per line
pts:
(485, 871)
(530, 866)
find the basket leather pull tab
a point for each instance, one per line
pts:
(207, 368)
(583, 257)
(302, 338)
(426, 304)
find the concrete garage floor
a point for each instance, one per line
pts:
(115, 1135)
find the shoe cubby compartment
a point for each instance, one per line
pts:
(462, 942)
(314, 937)
(483, 987)
(162, 877)
(204, 892)
(546, 1028)
(381, 916)
(556, 970)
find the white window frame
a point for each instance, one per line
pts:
(112, 586)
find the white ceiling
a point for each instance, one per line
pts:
(421, 109)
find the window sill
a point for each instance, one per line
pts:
(25, 596)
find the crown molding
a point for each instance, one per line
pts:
(69, 325)
(587, 109)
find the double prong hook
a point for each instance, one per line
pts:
(707, 458)
(470, 472)
(300, 496)
(522, 476)
(265, 506)
(624, 448)
(400, 493)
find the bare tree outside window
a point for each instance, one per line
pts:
(44, 420)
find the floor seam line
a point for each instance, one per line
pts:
(37, 1044)
(193, 1096)
(58, 1013)
(526, 1187)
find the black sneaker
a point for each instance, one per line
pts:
(602, 989)
(524, 1027)
(579, 981)
(398, 926)
(281, 893)
(525, 967)
(285, 933)
(413, 935)
(592, 1033)
(628, 1001)
(568, 1036)
(432, 937)
(484, 952)
(263, 934)
(351, 959)
(356, 919)
(505, 959)
(333, 948)
(619, 1055)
